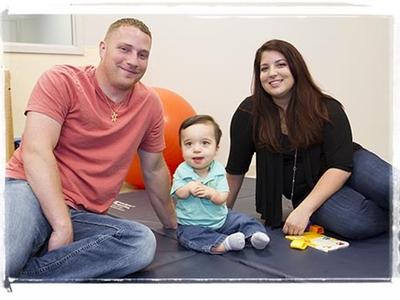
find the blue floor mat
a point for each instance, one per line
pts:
(367, 260)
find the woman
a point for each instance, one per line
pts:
(304, 151)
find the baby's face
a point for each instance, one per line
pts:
(199, 146)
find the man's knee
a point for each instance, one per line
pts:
(148, 246)
(141, 247)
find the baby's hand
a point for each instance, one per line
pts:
(193, 186)
(203, 191)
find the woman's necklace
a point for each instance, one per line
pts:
(294, 174)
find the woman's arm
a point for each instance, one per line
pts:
(234, 182)
(241, 148)
(337, 147)
(329, 183)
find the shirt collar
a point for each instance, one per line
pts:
(216, 169)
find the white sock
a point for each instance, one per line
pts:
(235, 241)
(259, 240)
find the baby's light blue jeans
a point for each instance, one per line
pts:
(204, 239)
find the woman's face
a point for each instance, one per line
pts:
(275, 76)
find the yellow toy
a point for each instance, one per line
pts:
(315, 239)
(316, 228)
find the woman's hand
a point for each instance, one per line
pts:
(296, 223)
(329, 183)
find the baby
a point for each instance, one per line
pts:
(200, 188)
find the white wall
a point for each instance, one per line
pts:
(209, 62)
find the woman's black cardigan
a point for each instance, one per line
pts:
(336, 151)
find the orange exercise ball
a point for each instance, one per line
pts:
(176, 109)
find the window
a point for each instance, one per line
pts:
(41, 33)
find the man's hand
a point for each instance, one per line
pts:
(60, 238)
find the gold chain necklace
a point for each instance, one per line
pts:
(114, 112)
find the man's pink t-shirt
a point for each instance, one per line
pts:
(93, 153)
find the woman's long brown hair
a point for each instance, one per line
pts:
(306, 112)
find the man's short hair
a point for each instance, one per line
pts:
(128, 22)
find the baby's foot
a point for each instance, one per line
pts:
(235, 241)
(259, 240)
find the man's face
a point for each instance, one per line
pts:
(124, 56)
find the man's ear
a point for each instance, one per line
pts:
(102, 49)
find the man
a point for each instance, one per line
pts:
(82, 128)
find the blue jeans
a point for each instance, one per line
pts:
(103, 247)
(360, 209)
(203, 239)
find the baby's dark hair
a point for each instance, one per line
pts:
(201, 119)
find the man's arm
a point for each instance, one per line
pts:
(39, 140)
(158, 184)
